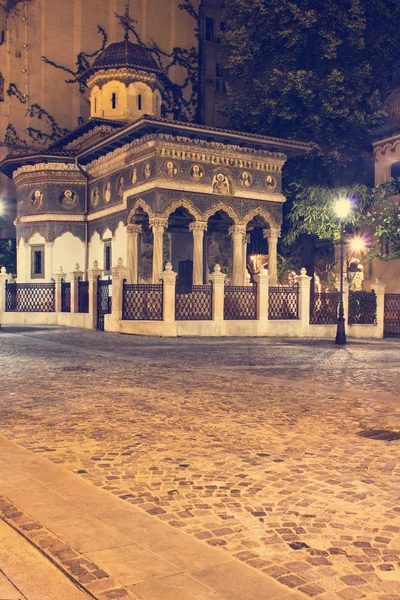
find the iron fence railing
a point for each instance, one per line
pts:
(283, 302)
(30, 297)
(83, 296)
(362, 308)
(104, 301)
(65, 296)
(324, 308)
(240, 303)
(391, 326)
(194, 304)
(142, 302)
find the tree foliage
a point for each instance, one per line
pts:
(314, 70)
(383, 215)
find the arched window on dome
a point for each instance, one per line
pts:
(139, 102)
(113, 100)
(395, 170)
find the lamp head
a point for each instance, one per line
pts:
(357, 244)
(342, 207)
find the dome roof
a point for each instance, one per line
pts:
(123, 55)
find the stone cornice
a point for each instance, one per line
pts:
(213, 153)
(50, 217)
(126, 76)
(46, 168)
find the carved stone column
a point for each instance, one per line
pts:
(272, 236)
(237, 232)
(246, 240)
(132, 247)
(158, 225)
(198, 228)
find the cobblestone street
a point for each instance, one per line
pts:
(250, 445)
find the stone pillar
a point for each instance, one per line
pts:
(3, 278)
(169, 282)
(272, 236)
(58, 277)
(379, 289)
(118, 274)
(198, 228)
(93, 275)
(74, 278)
(246, 240)
(262, 279)
(304, 282)
(158, 226)
(237, 232)
(218, 285)
(132, 246)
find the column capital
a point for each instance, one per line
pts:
(133, 228)
(272, 232)
(198, 226)
(241, 229)
(158, 222)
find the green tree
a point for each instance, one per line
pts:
(8, 256)
(383, 216)
(314, 70)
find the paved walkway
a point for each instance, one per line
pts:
(25, 574)
(115, 550)
(249, 448)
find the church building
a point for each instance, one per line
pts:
(131, 184)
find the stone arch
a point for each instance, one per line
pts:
(183, 202)
(139, 203)
(262, 212)
(221, 206)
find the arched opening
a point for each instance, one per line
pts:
(178, 246)
(256, 246)
(395, 170)
(143, 237)
(218, 244)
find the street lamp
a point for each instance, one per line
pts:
(342, 209)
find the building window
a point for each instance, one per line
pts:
(395, 170)
(95, 104)
(107, 257)
(139, 101)
(37, 262)
(221, 31)
(219, 82)
(209, 29)
(113, 100)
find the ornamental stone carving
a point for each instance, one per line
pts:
(198, 226)
(133, 228)
(237, 229)
(214, 208)
(182, 202)
(158, 222)
(139, 203)
(272, 232)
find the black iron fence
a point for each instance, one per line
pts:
(83, 296)
(283, 302)
(240, 303)
(362, 308)
(194, 304)
(391, 327)
(30, 297)
(324, 308)
(104, 301)
(142, 302)
(65, 296)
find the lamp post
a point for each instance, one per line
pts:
(342, 209)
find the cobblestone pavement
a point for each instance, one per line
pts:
(250, 445)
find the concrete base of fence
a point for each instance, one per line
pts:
(79, 320)
(235, 329)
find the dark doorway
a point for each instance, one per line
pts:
(185, 276)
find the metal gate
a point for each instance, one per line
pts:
(391, 326)
(103, 301)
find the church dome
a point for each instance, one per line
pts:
(125, 55)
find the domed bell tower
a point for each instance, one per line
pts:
(125, 82)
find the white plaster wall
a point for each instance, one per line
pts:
(96, 251)
(119, 245)
(67, 251)
(23, 261)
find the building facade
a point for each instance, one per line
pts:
(132, 185)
